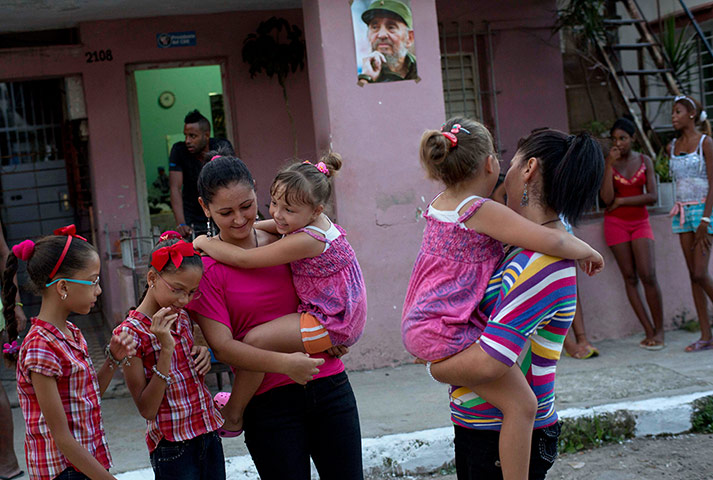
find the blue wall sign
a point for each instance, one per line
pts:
(176, 39)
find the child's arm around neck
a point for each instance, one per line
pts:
(288, 249)
(506, 226)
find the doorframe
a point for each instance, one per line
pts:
(135, 125)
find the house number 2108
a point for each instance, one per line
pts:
(99, 56)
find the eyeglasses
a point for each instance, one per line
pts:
(92, 283)
(193, 294)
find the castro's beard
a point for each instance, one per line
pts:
(393, 61)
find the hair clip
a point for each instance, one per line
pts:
(451, 136)
(70, 231)
(168, 234)
(214, 157)
(174, 252)
(11, 348)
(322, 167)
(24, 249)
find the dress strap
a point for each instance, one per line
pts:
(472, 209)
(673, 147)
(309, 230)
(699, 152)
(466, 200)
(316, 229)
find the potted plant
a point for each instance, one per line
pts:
(665, 186)
(277, 48)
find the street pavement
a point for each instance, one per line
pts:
(400, 406)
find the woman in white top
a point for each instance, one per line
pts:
(691, 166)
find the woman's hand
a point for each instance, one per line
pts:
(614, 205)
(591, 264)
(613, 156)
(122, 346)
(338, 351)
(702, 239)
(301, 368)
(161, 324)
(201, 357)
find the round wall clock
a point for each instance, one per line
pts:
(166, 99)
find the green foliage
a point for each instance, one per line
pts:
(661, 167)
(587, 432)
(682, 321)
(679, 49)
(265, 52)
(585, 19)
(702, 416)
(597, 128)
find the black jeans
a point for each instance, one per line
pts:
(199, 458)
(70, 473)
(477, 453)
(288, 424)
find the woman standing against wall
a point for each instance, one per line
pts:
(691, 166)
(629, 185)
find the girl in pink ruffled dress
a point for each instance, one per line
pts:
(325, 272)
(462, 245)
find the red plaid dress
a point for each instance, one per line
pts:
(49, 352)
(187, 409)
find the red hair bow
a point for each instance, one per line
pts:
(70, 231)
(174, 252)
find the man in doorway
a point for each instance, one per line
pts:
(185, 163)
(390, 34)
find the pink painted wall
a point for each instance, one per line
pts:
(527, 62)
(261, 129)
(377, 129)
(607, 313)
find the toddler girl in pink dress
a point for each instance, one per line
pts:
(325, 272)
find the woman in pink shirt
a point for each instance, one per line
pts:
(305, 406)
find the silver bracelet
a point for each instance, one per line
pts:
(110, 356)
(428, 370)
(706, 219)
(165, 378)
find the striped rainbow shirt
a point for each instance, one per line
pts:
(529, 297)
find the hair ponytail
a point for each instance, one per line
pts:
(9, 293)
(572, 170)
(705, 127)
(333, 161)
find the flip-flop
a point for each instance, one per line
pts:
(699, 346)
(221, 399)
(655, 346)
(229, 433)
(591, 352)
(17, 475)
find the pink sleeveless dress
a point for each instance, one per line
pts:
(441, 316)
(331, 287)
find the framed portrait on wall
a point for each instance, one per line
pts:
(384, 39)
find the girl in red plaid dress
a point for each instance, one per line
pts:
(167, 378)
(58, 388)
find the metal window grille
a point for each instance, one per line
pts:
(461, 85)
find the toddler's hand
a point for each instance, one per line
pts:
(301, 368)
(122, 346)
(338, 351)
(161, 324)
(201, 357)
(200, 241)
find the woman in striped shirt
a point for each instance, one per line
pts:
(530, 302)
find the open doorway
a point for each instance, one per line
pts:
(163, 95)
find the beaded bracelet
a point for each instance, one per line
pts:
(165, 378)
(428, 370)
(18, 304)
(110, 356)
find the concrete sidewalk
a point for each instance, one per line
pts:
(405, 417)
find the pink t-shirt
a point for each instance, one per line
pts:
(241, 299)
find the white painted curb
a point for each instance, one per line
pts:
(429, 450)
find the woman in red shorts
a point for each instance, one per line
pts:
(627, 229)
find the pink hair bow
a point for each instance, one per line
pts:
(11, 348)
(169, 234)
(322, 167)
(451, 136)
(24, 249)
(70, 231)
(174, 252)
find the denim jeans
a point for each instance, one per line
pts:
(477, 453)
(199, 458)
(70, 473)
(287, 425)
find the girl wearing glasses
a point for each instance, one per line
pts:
(167, 380)
(691, 165)
(58, 388)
